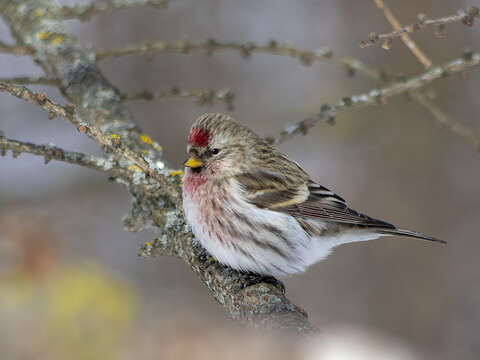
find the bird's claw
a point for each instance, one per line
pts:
(254, 279)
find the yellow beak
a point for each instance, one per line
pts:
(193, 163)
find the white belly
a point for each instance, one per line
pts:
(248, 238)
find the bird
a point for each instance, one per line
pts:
(257, 211)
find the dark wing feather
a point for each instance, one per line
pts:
(329, 206)
(303, 198)
(307, 199)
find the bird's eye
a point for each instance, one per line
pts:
(215, 151)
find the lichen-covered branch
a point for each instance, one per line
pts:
(51, 152)
(40, 99)
(98, 107)
(85, 12)
(248, 298)
(379, 96)
(202, 97)
(466, 17)
(14, 49)
(112, 140)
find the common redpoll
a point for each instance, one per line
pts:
(255, 210)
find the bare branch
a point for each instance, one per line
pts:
(50, 152)
(202, 97)
(378, 96)
(466, 17)
(28, 80)
(420, 98)
(404, 36)
(246, 49)
(112, 141)
(212, 46)
(444, 119)
(86, 12)
(14, 49)
(49, 106)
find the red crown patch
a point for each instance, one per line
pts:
(198, 137)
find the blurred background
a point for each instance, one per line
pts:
(71, 284)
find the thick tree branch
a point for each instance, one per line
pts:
(466, 17)
(98, 105)
(379, 96)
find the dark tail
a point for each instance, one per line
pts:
(413, 234)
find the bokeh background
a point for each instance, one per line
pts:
(71, 283)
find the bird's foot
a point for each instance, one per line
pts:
(254, 279)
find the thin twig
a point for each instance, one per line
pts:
(14, 49)
(378, 96)
(202, 97)
(51, 152)
(245, 49)
(211, 46)
(28, 80)
(86, 12)
(419, 97)
(466, 17)
(112, 141)
(443, 119)
(404, 36)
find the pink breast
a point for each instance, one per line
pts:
(191, 182)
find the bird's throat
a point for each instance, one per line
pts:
(192, 181)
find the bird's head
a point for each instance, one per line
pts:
(219, 147)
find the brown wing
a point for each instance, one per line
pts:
(273, 191)
(305, 199)
(324, 204)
